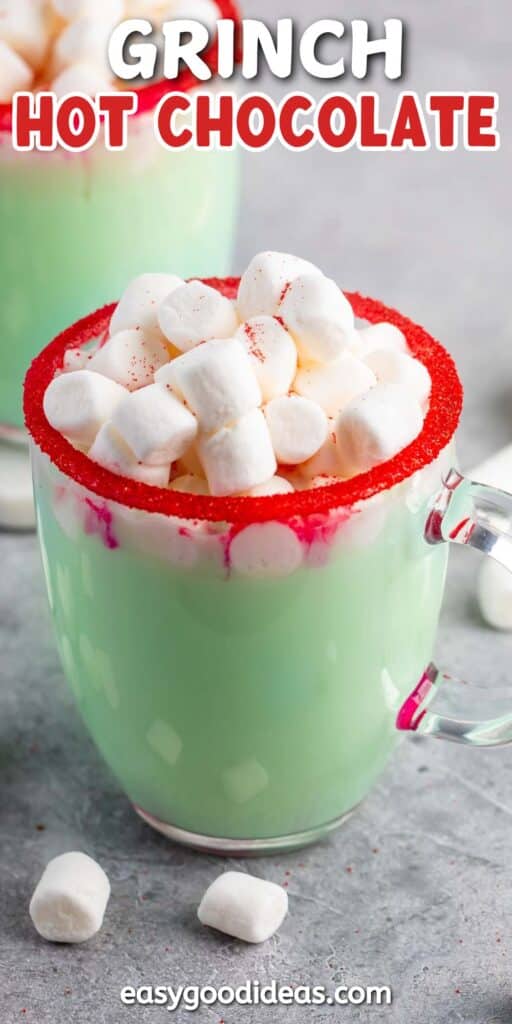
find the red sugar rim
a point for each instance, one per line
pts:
(438, 429)
(150, 95)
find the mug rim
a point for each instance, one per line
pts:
(149, 96)
(439, 427)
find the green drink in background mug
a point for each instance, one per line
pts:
(246, 665)
(75, 227)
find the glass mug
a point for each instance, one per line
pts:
(246, 666)
(74, 228)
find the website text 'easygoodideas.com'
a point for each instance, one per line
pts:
(254, 993)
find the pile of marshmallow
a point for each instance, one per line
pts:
(274, 392)
(62, 44)
(71, 897)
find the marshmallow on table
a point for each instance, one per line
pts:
(194, 313)
(24, 27)
(70, 899)
(111, 452)
(379, 336)
(70, 10)
(189, 484)
(131, 358)
(272, 353)
(216, 381)
(495, 594)
(243, 906)
(16, 494)
(139, 304)
(276, 485)
(239, 457)
(266, 280)
(82, 77)
(319, 317)
(155, 425)
(494, 581)
(376, 426)
(333, 385)
(298, 428)
(78, 403)
(391, 367)
(15, 73)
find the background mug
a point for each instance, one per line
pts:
(246, 665)
(75, 227)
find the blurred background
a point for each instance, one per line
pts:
(425, 231)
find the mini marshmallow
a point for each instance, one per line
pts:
(155, 425)
(391, 367)
(323, 481)
(243, 906)
(17, 510)
(216, 381)
(70, 899)
(376, 426)
(15, 73)
(276, 485)
(70, 10)
(194, 313)
(85, 39)
(319, 317)
(111, 452)
(294, 476)
(365, 523)
(495, 594)
(131, 358)
(77, 404)
(333, 385)
(266, 549)
(326, 461)
(379, 336)
(75, 359)
(24, 27)
(139, 304)
(189, 484)
(266, 281)
(239, 457)
(272, 353)
(85, 78)
(298, 428)
(190, 463)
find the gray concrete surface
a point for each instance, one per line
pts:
(416, 890)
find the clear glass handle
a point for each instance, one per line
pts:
(478, 517)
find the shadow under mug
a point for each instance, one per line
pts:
(246, 666)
